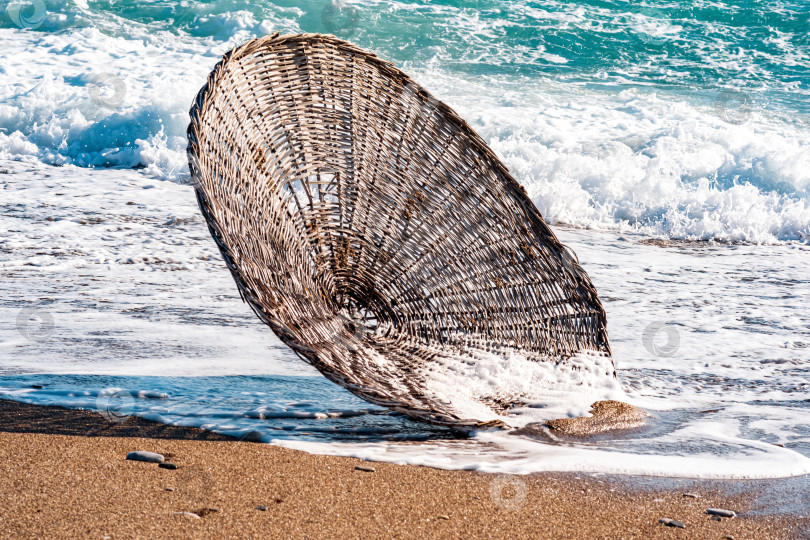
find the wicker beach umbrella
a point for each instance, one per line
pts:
(376, 233)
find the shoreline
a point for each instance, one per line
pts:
(64, 473)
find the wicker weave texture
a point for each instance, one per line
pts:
(373, 230)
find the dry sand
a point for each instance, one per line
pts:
(63, 474)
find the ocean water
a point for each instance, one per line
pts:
(669, 144)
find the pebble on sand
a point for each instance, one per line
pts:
(672, 523)
(443, 516)
(262, 508)
(691, 495)
(605, 416)
(721, 512)
(190, 515)
(365, 469)
(148, 457)
(167, 465)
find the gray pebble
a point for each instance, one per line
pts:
(167, 465)
(262, 508)
(364, 468)
(672, 523)
(721, 512)
(169, 489)
(148, 457)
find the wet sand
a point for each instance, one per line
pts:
(63, 474)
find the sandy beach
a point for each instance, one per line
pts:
(64, 474)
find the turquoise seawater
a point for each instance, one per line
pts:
(761, 48)
(679, 119)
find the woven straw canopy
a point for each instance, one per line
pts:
(374, 231)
